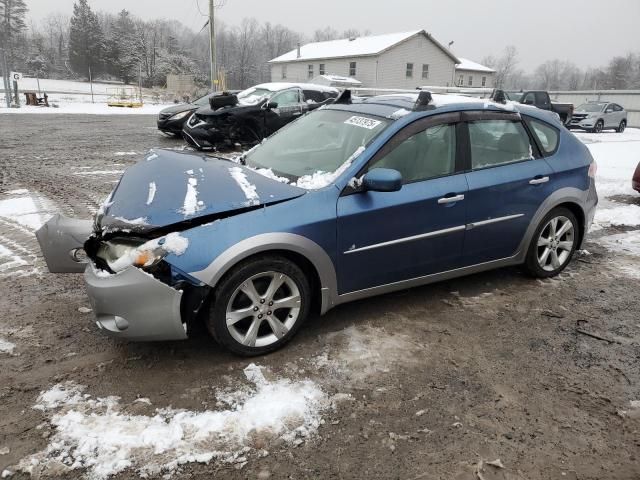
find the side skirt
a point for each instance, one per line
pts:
(427, 279)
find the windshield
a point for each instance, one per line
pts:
(253, 96)
(514, 96)
(314, 150)
(591, 107)
(202, 101)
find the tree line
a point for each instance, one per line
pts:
(123, 47)
(621, 73)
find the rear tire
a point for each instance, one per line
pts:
(259, 306)
(622, 127)
(553, 244)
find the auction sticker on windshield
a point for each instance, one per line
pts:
(363, 122)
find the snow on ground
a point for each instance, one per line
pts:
(363, 351)
(6, 346)
(75, 97)
(101, 108)
(100, 437)
(617, 156)
(21, 214)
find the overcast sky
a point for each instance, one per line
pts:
(587, 32)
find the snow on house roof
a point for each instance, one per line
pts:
(354, 47)
(466, 64)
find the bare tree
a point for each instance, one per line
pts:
(504, 65)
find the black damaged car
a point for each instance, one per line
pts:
(247, 117)
(171, 119)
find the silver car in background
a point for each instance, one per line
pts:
(598, 116)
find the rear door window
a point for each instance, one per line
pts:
(548, 137)
(498, 142)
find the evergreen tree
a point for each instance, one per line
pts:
(12, 15)
(124, 52)
(86, 43)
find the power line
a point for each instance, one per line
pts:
(200, 11)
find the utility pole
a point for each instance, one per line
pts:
(212, 45)
(5, 77)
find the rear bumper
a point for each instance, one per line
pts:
(134, 305)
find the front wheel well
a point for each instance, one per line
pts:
(301, 261)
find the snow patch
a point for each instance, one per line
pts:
(134, 221)
(98, 435)
(99, 172)
(6, 346)
(19, 191)
(152, 192)
(321, 179)
(247, 187)
(124, 154)
(191, 204)
(25, 209)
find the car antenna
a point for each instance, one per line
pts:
(344, 97)
(424, 101)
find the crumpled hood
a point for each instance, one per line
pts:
(169, 187)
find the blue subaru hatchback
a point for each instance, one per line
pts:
(356, 199)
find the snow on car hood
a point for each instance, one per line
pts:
(171, 187)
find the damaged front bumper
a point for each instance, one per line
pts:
(134, 305)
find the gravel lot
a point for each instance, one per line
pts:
(438, 378)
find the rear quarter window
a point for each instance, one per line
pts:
(548, 137)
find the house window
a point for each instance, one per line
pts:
(352, 69)
(425, 71)
(310, 74)
(484, 81)
(471, 80)
(284, 71)
(321, 69)
(461, 81)
(409, 70)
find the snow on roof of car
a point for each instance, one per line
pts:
(339, 79)
(439, 100)
(353, 47)
(277, 86)
(466, 64)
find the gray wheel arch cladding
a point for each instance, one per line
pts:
(267, 242)
(559, 197)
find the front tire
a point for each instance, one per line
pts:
(599, 127)
(259, 306)
(622, 127)
(553, 244)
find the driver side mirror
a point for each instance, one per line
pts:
(271, 105)
(382, 180)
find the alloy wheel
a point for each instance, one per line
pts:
(623, 126)
(599, 127)
(555, 243)
(263, 309)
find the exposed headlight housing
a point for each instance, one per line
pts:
(181, 115)
(121, 253)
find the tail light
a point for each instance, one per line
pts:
(593, 169)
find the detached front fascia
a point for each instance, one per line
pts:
(132, 304)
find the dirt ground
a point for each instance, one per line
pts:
(495, 365)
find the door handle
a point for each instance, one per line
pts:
(538, 180)
(445, 200)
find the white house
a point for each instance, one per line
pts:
(472, 74)
(394, 60)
